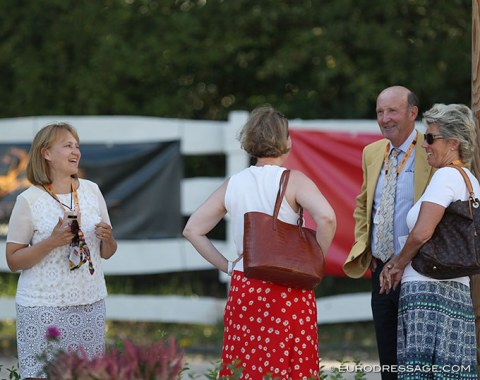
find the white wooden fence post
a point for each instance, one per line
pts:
(237, 160)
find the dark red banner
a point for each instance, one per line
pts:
(333, 160)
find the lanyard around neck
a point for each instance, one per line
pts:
(74, 196)
(405, 158)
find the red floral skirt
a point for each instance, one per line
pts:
(269, 329)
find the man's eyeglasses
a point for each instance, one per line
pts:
(430, 138)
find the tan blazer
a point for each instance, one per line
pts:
(360, 257)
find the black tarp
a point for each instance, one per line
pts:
(140, 183)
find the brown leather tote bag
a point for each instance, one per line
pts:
(454, 248)
(279, 252)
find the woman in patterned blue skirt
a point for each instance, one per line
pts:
(436, 324)
(58, 233)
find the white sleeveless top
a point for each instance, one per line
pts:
(254, 189)
(50, 282)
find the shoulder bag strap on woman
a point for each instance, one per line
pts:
(472, 201)
(281, 193)
(278, 202)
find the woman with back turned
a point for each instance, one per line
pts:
(269, 329)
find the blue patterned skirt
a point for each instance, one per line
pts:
(436, 331)
(79, 327)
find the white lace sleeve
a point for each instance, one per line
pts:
(103, 207)
(20, 227)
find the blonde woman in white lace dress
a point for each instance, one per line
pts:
(58, 233)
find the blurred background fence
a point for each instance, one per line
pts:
(169, 255)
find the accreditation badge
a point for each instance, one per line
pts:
(74, 256)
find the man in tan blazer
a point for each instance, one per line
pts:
(396, 113)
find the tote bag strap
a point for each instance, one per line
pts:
(471, 200)
(278, 202)
(282, 188)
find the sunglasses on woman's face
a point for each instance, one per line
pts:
(430, 138)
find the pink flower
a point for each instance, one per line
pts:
(53, 333)
(162, 360)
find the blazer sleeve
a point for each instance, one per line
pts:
(358, 260)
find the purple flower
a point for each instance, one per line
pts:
(53, 333)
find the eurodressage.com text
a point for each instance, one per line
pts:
(366, 368)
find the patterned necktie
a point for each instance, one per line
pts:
(385, 246)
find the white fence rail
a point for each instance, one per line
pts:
(176, 255)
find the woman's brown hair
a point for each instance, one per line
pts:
(38, 171)
(265, 134)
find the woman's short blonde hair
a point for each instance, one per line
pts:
(455, 121)
(265, 134)
(38, 170)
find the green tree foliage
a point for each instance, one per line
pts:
(200, 59)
